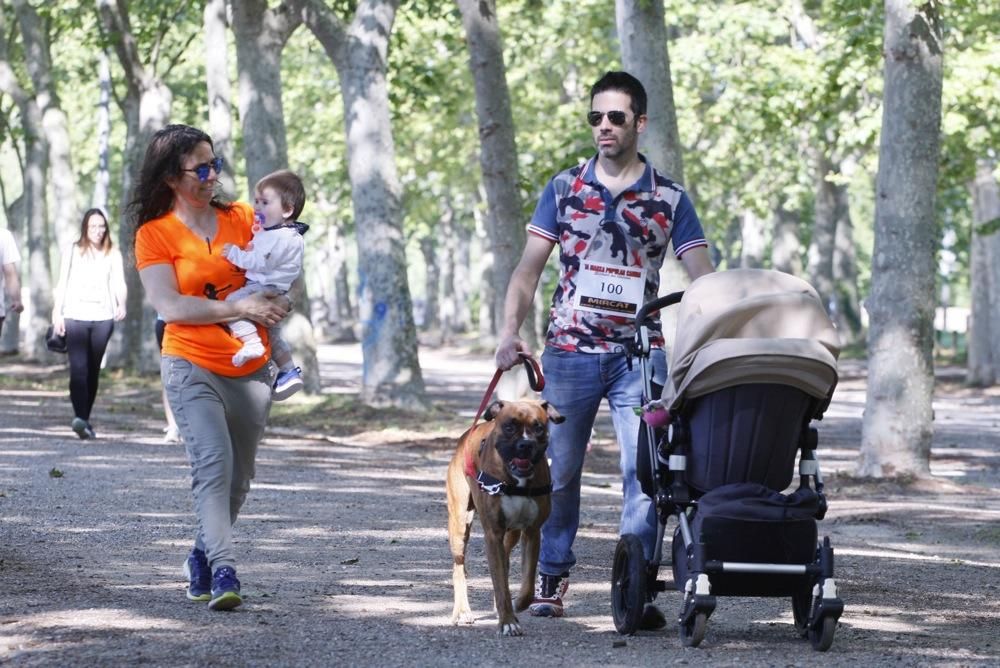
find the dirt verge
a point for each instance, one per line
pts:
(343, 549)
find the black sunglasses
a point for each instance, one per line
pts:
(201, 171)
(616, 118)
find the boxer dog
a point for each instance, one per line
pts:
(499, 471)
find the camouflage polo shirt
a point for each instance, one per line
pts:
(629, 231)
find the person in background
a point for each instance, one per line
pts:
(10, 278)
(611, 218)
(89, 298)
(170, 433)
(273, 260)
(181, 226)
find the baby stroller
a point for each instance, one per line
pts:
(754, 362)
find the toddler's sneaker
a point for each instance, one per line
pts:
(286, 384)
(199, 576)
(549, 592)
(225, 590)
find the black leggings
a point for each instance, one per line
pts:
(86, 341)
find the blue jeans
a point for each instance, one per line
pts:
(575, 384)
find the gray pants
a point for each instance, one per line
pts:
(222, 420)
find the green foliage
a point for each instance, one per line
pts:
(754, 104)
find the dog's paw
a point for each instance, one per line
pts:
(463, 617)
(511, 629)
(521, 603)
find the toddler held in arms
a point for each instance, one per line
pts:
(272, 260)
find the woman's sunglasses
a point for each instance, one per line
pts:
(201, 171)
(616, 118)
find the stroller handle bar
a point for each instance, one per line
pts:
(655, 305)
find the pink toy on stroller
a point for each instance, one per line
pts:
(754, 362)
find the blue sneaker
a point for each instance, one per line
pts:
(199, 576)
(225, 589)
(287, 383)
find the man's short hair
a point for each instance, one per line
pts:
(289, 188)
(624, 83)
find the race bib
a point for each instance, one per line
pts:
(609, 289)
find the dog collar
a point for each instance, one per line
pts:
(496, 487)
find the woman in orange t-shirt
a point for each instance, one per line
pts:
(181, 226)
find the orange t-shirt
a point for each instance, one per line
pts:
(201, 271)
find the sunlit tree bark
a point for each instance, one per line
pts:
(984, 325)
(32, 202)
(391, 373)
(497, 148)
(898, 419)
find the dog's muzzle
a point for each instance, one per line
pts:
(526, 454)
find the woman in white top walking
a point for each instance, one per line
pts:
(89, 298)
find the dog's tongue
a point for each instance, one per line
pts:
(522, 464)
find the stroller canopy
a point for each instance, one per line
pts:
(752, 326)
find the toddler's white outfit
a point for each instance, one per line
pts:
(273, 259)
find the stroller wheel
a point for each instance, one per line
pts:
(628, 584)
(822, 637)
(801, 605)
(693, 630)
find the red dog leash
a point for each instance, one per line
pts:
(535, 379)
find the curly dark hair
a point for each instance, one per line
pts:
(152, 197)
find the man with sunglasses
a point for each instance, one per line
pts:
(612, 218)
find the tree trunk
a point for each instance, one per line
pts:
(338, 323)
(432, 283)
(984, 324)
(642, 34)
(391, 373)
(824, 232)
(754, 242)
(102, 179)
(261, 34)
(32, 203)
(897, 426)
(463, 279)
(785, 249)
(61, 178)
(448, 259)
(146, 108)
(845, 270)
(10, 338)
(498, 149)
(220, 117)
(839, 288)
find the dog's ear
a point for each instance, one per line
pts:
(493, 410)
(553, 414)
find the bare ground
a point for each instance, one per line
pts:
(344, 556)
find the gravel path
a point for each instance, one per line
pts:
(344, 558)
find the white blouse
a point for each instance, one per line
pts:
(90, 282)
